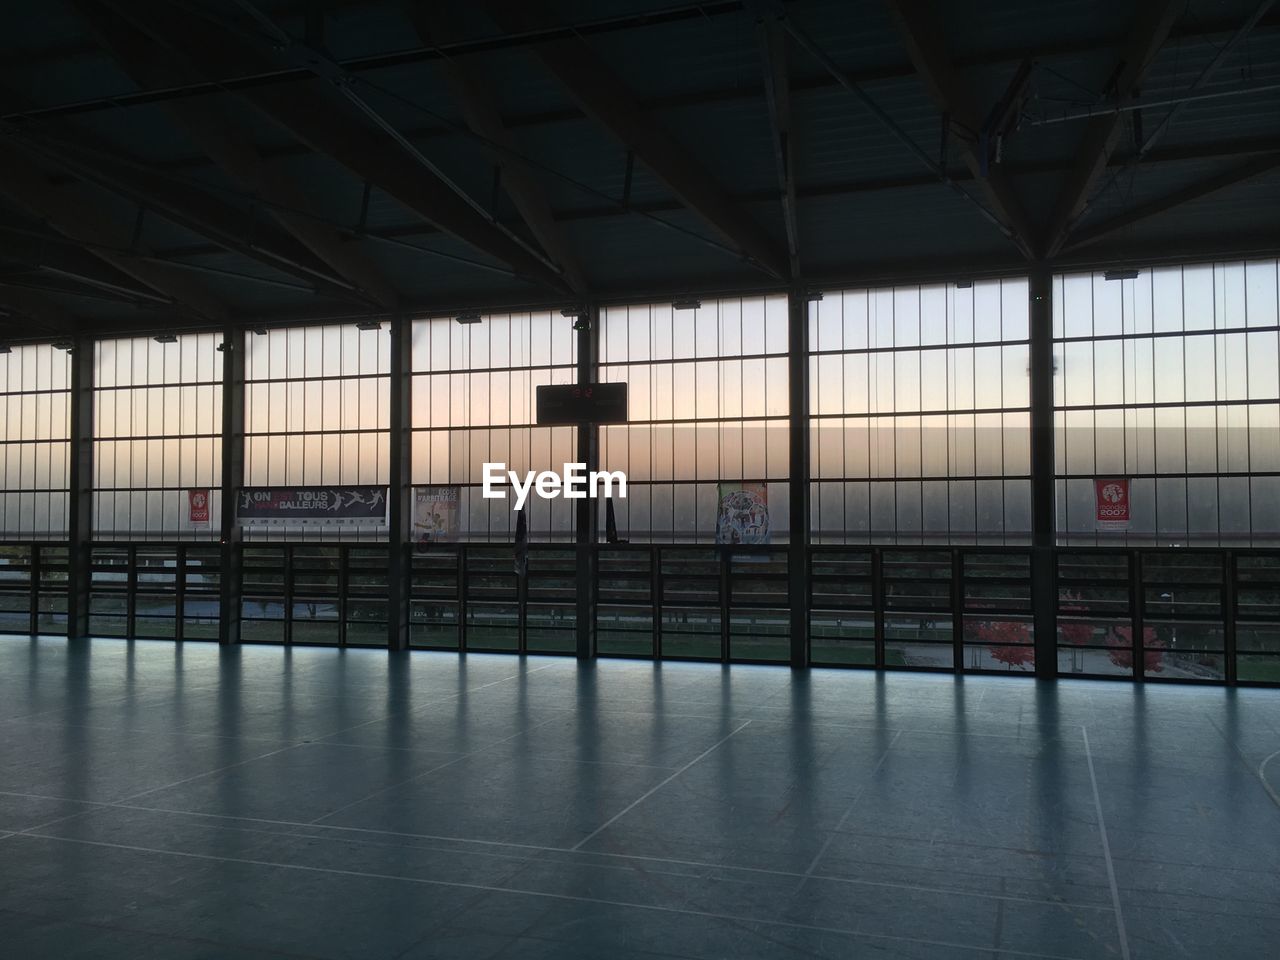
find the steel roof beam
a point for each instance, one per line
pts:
(316, 112)
(921, 34)
(1203, 28)
(777, 86)
(603, 97)
(66, 209)
(60, 257)
(480, 111)
(25, 306)
(1195, 191)
(1150, 29)
(1210, 69)
(227, 143)
(230, 228)
(247, 79)
(845, 188)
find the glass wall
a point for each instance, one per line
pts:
(35, 465)
(1167, 386)
(474, 402)
(317, 408)
(157, 435)
(35, 382)
(919, 414)
(708, 407)
(1171, 380)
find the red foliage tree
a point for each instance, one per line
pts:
(1071, 632)
(1120, 640)
(1010, 641)
(1076, 633)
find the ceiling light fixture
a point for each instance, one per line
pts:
(1121, 275)
(368, 325)
(686, 303)
(165, 338)
(470, 317)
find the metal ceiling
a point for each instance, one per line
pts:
(195, 162)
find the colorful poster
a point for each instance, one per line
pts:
(1111, 496)
(312, 505)
(435, 514)
(198, 506)
(743, 514)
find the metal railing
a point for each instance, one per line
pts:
(1188, 614)
(33, 587)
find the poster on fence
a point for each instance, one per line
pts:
(1111, 496)
(198, 506)
(743, 513)
(435, 514)
(326, 505)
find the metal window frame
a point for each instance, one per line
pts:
(664, 570)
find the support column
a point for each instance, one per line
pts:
(233, 350)
(586, 521)
(798, 551)
(1043, 574)
(399, 505)
(80, 482)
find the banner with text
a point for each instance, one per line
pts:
(335, 504)
(198, 505)
(1111, 497)
(435, 514)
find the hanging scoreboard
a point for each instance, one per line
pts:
(575, 403)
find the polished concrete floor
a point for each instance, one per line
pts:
(184, 801)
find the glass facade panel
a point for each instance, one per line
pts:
(317, 407)
(157, 434)
(920, 414)
(474, 401)
(919, 424)
(708, 406)
(35, 383)
(1171, 380)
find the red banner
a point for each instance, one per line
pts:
(198, 506)
(1111, 498)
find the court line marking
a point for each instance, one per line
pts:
(157, 728)
(292, 745)
(1106, 848)
(652, 790)
(51, 919)
(1260, 771)
(487, 888)
(535, 848)
(1030, 737)
(1266, 785)
(831, 834)
(440, 766)
(140, 700)
(123, 801)
(208, 687)
(850, 725)
(210, 773)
